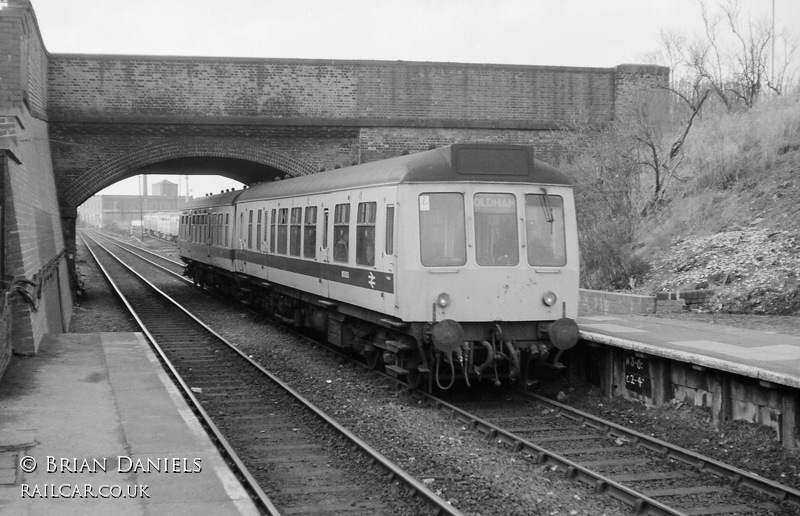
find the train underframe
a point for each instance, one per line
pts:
(169, 237)
(427, 354)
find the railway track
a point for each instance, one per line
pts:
(278, 441)
(144, 253)
(648, 475)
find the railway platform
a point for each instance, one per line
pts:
(92, 425)
(739, 374)
(767, 356)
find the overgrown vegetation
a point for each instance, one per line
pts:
(712, 152)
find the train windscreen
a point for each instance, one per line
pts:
(544, 230)
(496, 241)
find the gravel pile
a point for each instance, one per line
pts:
(750, 270)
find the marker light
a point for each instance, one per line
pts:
(549, 298)
(443, 299)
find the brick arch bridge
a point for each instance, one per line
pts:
(267, 163)
(71, 124)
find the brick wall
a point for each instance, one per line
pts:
(11, 64)
(438, 94)
(597, 301)
(35, 281)
(23, 67)
(34, 247)
(106, 86)
(635, 82)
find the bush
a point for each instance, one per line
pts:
(606, 190)
(607, 259)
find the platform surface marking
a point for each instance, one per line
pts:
(615, 328)
(779, 352)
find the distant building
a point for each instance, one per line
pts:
(165, 189)
(102, 210)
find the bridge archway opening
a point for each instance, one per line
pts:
(167, 185)
(240, 170)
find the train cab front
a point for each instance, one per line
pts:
(510, 349)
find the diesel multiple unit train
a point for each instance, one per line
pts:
(458, 263)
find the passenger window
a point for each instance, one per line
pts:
(442, 233)
(496, 241)
(544, 230)
(365, 233)
(310, 233)
(341, 232)
(272, 232)
(283, 229)
(226, 229)
(294, 231)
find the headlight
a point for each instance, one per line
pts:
(549, 298)
(443, 299)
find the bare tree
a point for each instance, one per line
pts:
(658, 133)
(734, 57)
(784, 76)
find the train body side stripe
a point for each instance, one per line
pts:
(365, 278)
(369, 279)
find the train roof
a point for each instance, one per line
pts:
(483, 163)
(222, 199)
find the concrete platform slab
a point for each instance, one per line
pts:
(93, 425)
(772, 357)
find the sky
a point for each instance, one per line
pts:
(593, 33)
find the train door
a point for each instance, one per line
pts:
(388, 261)
(324, 252)
(388, 251)
(239, 255)
(207, 235)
